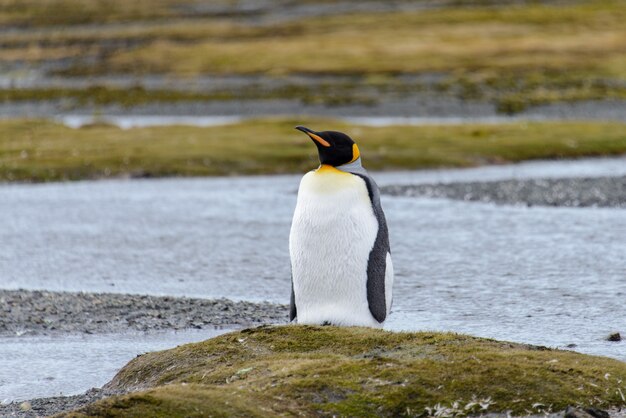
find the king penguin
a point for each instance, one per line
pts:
(339, 245)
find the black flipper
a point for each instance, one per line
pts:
(377, 263)
(293, 312)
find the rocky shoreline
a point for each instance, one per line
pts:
(25, 312)
(569, 192)
(44, 407)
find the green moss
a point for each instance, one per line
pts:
(46, 151)
(328, 371)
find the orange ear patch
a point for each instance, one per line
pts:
(319, 139)
(355, 153)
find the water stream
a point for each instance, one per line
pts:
(542, 275)
(32, 367)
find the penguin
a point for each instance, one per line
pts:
(339, 244)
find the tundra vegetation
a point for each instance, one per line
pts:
(513, 55)
(331, 371)
(37, 151)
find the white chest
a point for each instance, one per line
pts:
(332, 235)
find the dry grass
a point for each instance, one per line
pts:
(587, 36)
(545, 37)
(394, 43)
(45, 151)
(512, 55)
(71, 12)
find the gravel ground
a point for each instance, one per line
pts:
(50, 406)
(572, 192)
(25, 312)
(42, 312)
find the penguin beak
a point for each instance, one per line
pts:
(314, 136)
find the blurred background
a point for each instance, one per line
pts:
(107, 64)
(147, 147)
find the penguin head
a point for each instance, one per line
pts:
(334, 148)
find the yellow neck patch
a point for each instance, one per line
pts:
(328, 169)
(325, 168)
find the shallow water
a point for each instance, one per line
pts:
(33, 367)
(548, 276)
(141, 121)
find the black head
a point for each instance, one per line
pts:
(334, 148)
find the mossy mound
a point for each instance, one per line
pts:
(313, 371)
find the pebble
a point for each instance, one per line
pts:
(571, 192)
(615, 337)
(26, 312)
(572, 412)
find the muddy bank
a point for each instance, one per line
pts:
(569, 192)
(25, 312)
(418, 106)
